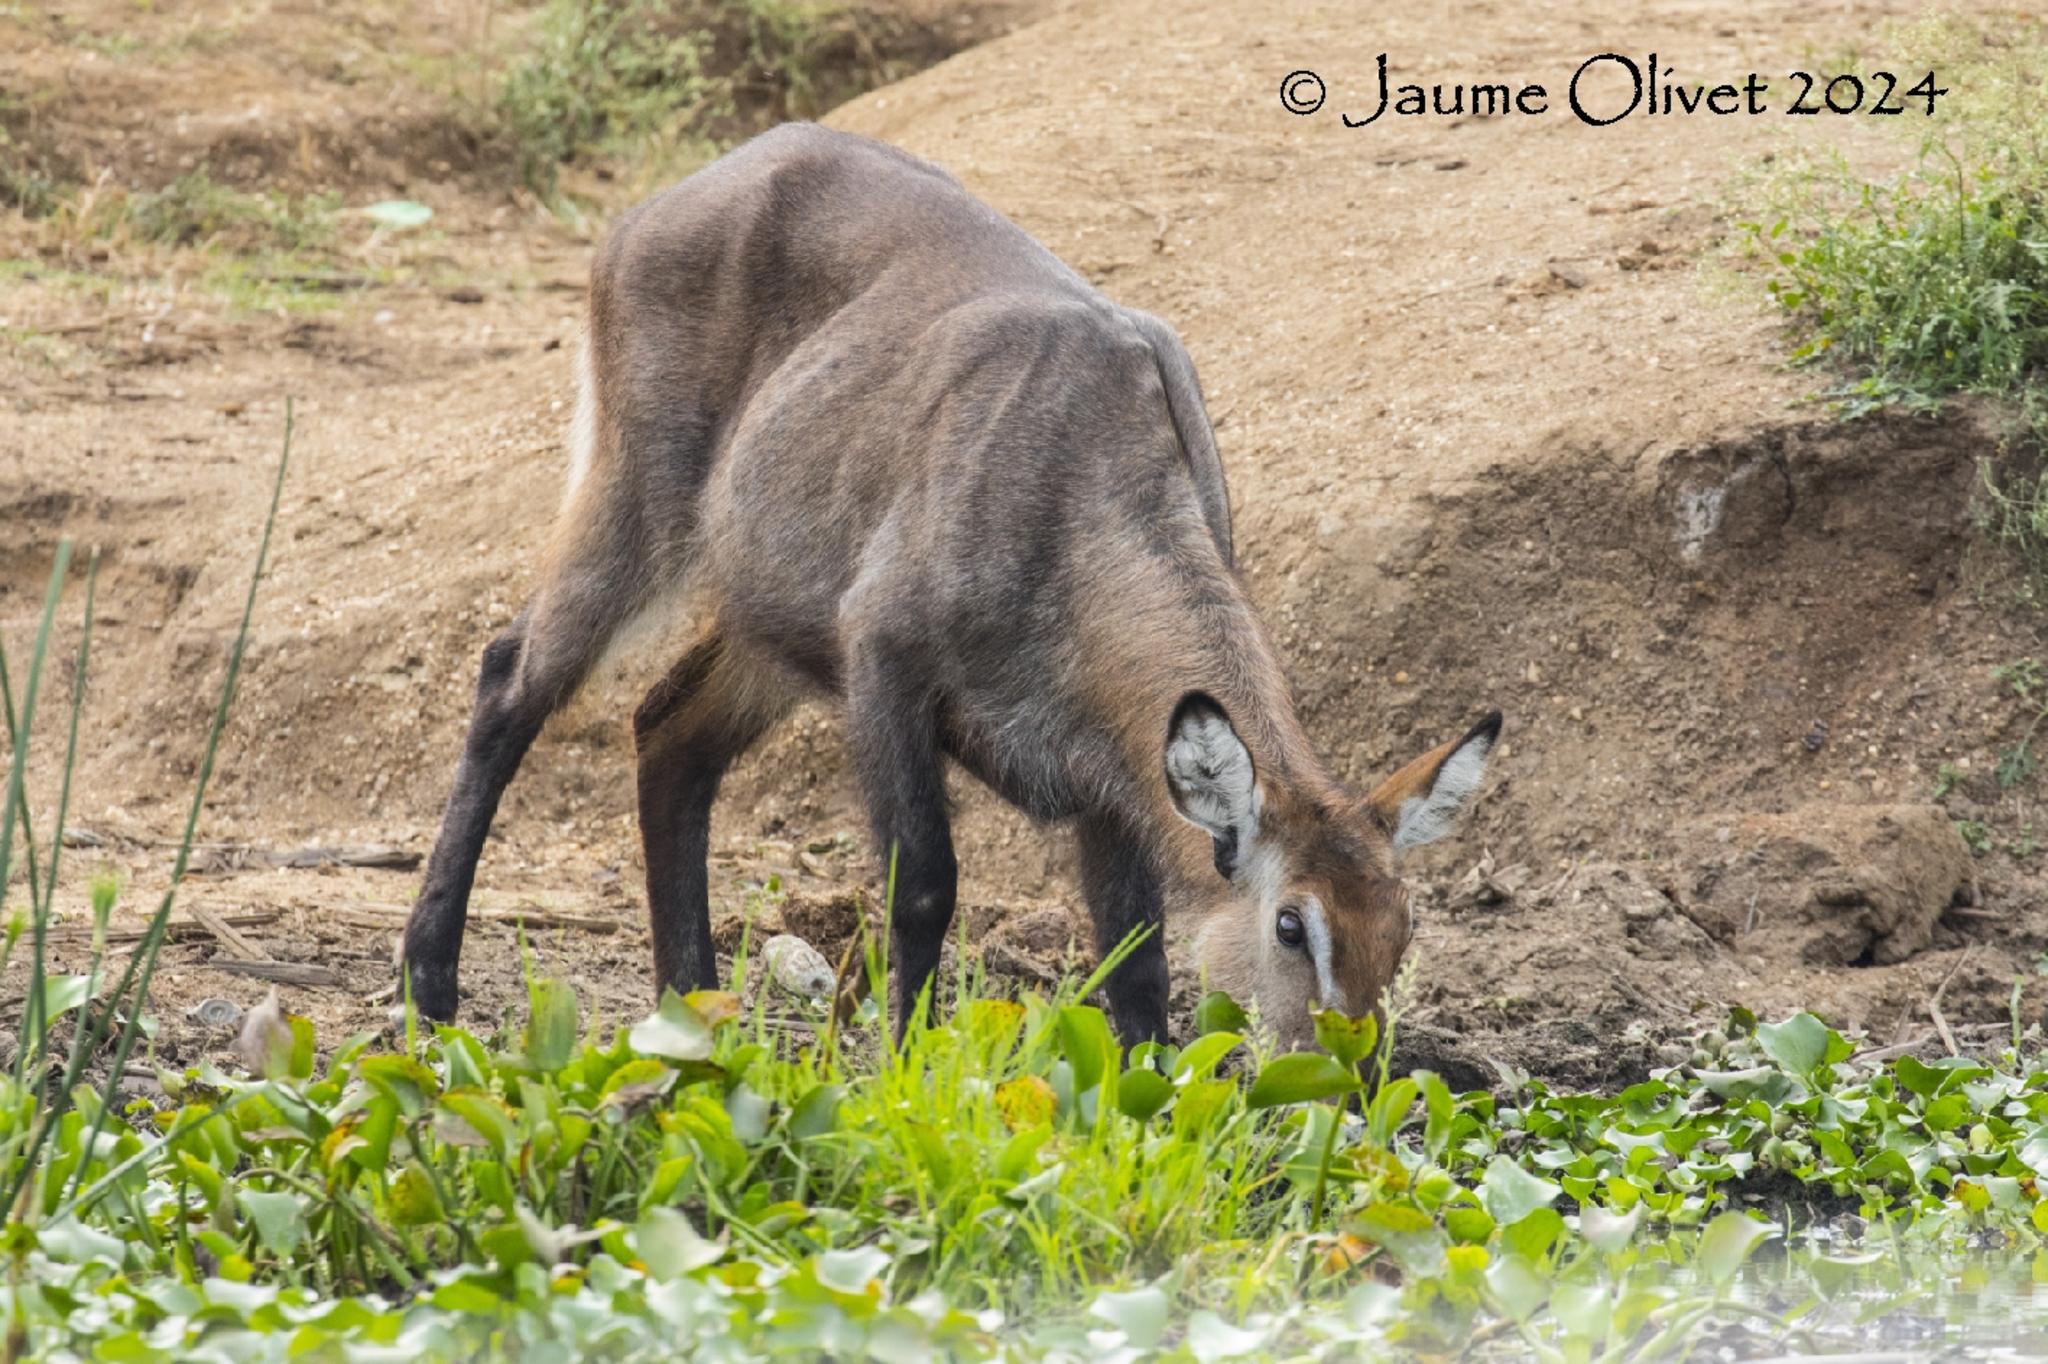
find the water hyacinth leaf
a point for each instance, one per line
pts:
(552, 1025)
(414, 1200)
(1390, 1108)
(817, 1112)
(1090, 1049)
(73, 1242)
(1218, 1012)
(399, 215)
(1609, 1231)
(1726, 1243)
(279, 1219)
(2034, 1151)
(1300, 1077)
(748, 1111)
(1440, 1108)
(1142, 1093)
(62, 994)
(1800, 1044)
(1202, 1055)
(302, 1053)
(674, 1030)
(1025, 1102)
(1534, 1235)
(341, 1144)
(1509, 1193)
(411, 1084)
(1140, 1314)
(476, 1117)
(1929, 1080)
(1018, 1158)
(1350, 1040)
(1408, 1234)
(1199, 1103)
(1515, 1289)
(638, 1079)
(1946, 1113)
(1584, 1310)
(856, 1272)
(670, 1246)
(1210, 1337)
(1766, 1083)
(1468, 1225)
(716, 1007)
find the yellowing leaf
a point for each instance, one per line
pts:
(1025, 1102)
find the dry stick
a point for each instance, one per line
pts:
(1920, 1040)
(224, 933)
(289, 972)
(1948, 1039)
(178, 930)
(381, 916)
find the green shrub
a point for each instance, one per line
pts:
(1933, 282)
(668, 81)
(600, 73)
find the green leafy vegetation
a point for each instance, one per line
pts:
(1933, 282)
(666, 83)
(1009, 1182)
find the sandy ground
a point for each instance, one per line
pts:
(1500, 432)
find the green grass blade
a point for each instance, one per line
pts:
(28, 841)
(35, 1025)
(17, 795)
(142, 962)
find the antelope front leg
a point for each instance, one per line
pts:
(1123, 894)
(894, 737)
(691, 728)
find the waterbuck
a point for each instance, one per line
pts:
(887, 448)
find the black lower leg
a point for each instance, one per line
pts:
(689, 731)
(502, 727)
(1118, 877)
(895, 744)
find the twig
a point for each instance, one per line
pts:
(179, 930)
(289, 972)
(229, 857)
(1948, 1038)
(382, 916)
(226, 934)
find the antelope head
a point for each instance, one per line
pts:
(1314, 914)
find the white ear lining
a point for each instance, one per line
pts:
(1210, 771)
(1424, 819)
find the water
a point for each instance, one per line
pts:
(1878, 1301)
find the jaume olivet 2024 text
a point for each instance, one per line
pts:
(1609, 88)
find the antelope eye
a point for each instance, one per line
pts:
(1289, 929)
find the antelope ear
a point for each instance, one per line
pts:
(1210, 776)
(1419, 802)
